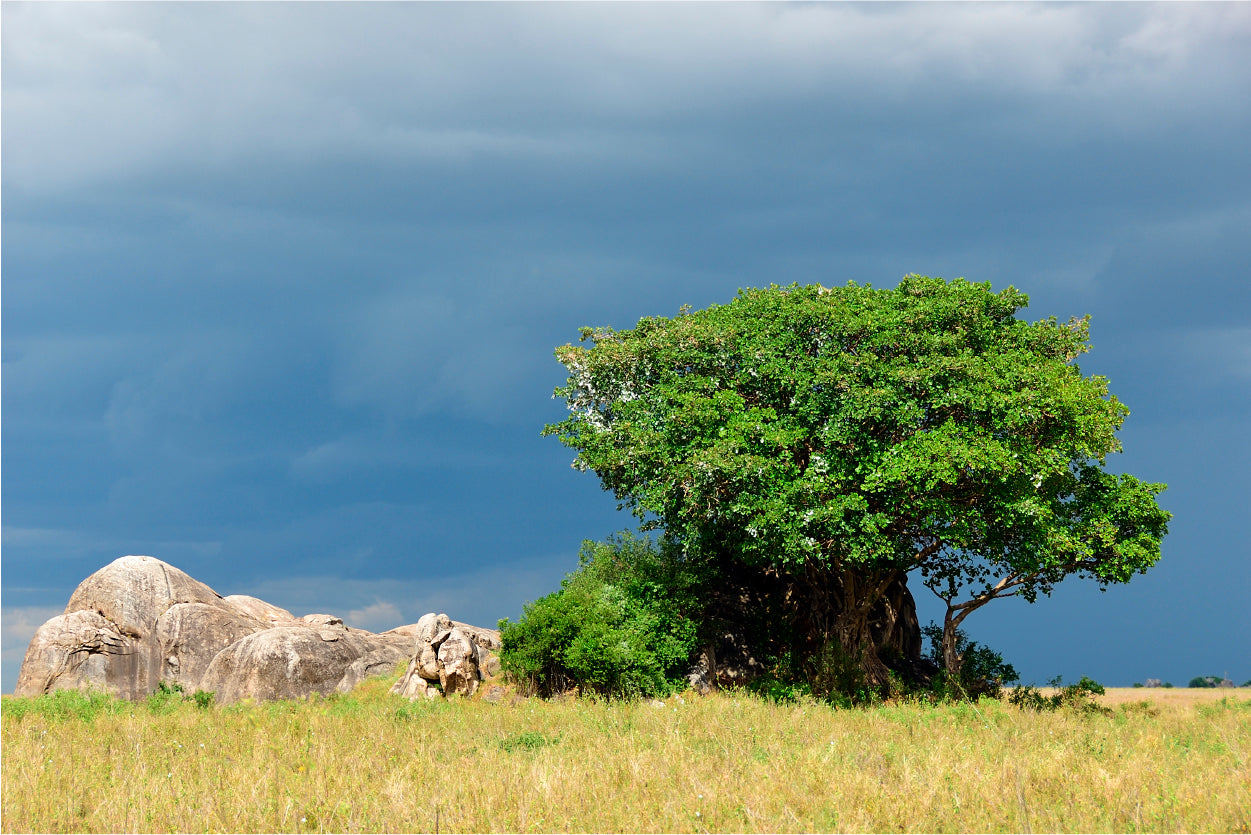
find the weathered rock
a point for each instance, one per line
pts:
(190, 636)
(322, 620)
(456, 655)
(259, 610)
(427, 661)
(430, 625)
(131, 593)
(78, 649)
(139, 621)
(291, 662)
(486, 638)
(458, 667)
(488, 662)
(379, 661)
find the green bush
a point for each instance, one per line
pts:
(1079, 697)
(1205, 681)
(625, 623)
(982, 673)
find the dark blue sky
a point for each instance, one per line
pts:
(281, 282)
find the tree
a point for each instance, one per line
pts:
(846, 436)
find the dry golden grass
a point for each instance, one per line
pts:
(371, 763)
(1184, 696)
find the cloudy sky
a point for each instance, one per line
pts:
(281, 282)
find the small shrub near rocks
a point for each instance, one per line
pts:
(625, 623)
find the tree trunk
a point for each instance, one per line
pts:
(844, 606)
(952, 658)
(761, 613)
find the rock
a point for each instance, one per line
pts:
(1153, 682)
(191, 635)
(322, 620)
(291, 662)
(138, 622)
(131, 594)
(702, 677)
(427, 661)
(379, 661)
(430, 625)
(258, 609)
(458, 667)
(410, 685)
(77, 650)
(486, 638)
(488, 662)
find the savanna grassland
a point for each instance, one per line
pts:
(370, 762)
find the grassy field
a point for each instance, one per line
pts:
(372, 763)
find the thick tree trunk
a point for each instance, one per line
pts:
(760, 613)
(868, 616)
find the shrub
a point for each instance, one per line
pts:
(982, 673)
(1205, 681)
(1079, 697)
(625, 623)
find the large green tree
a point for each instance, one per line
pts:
(845, 436)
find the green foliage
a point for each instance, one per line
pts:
(864, 421)
(1078, 697)
(983, 671)
(625, 623)
(203, 699)
(166, 698)
(81, 705)
(1206, 681)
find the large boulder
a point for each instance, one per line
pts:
(291, 662)
(139, 622)
(109, 636)
(454, 655)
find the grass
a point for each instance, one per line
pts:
(370, 762)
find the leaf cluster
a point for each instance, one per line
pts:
(625, 623)
(921, 426)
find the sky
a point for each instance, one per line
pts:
(281, 283)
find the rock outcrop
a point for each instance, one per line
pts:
(139, 621)
(454, 655)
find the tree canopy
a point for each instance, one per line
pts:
(849, 434)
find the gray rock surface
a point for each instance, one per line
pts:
(124, 602)
(139, 621)
(291, 662)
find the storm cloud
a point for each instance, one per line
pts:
(282, 281)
